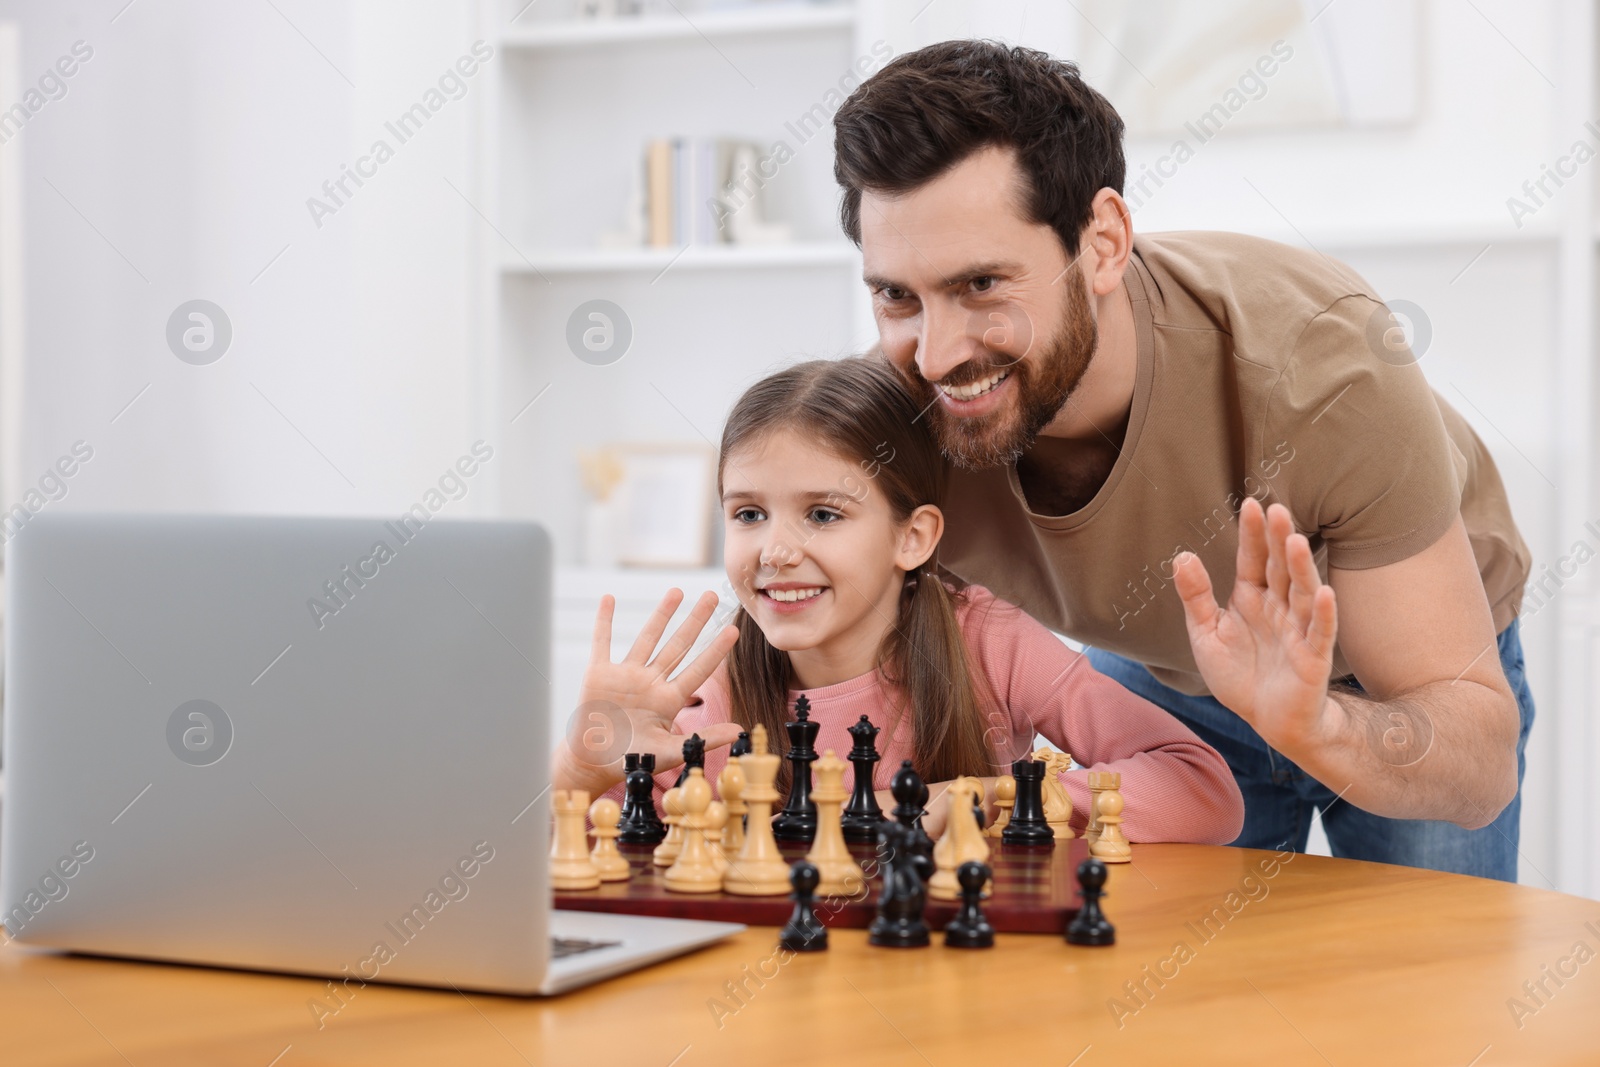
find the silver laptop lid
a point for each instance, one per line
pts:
(297, 744)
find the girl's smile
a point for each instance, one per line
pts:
(790, 597)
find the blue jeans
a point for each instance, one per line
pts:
(1279, 797)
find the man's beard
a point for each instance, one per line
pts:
(1042, 384)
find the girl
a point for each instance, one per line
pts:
(830, 488)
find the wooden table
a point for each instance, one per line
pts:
(1313, 961)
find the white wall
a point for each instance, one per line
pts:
(191, 141)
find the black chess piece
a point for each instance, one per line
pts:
(694, 755)
(1028, 825)
(904, 896)
(804, 931)
(1090, 926)
(910, 794)
(969, 929)
(798, 819)
(862, 816)
(977, 809)
(741, 747)
(641, 826)
(630, 763)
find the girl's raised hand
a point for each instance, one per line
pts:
(629, 706)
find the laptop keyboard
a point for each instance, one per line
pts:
(562, 947)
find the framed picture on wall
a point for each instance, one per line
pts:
(665, 504)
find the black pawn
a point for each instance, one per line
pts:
(804, 932)
(630, 763)
(694, 755)
(641, 826)
(1028, 825)
(969, 929)
(911, 793)
(798, 819)
(903, 898)
(862, 816)
(1090, 926)
(741, 747)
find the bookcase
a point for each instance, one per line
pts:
(573, 103)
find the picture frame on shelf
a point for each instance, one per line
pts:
(664, 504)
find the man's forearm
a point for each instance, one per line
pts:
(1446, 750)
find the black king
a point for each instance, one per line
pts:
(798, 819)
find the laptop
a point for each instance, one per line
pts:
(311, 745)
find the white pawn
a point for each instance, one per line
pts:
(1005, 798)
(695, 870)
(610, 862)
(730, 783)
(1099, 782)
(716, 823)
(1111, 846)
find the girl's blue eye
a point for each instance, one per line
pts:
(738, 516)
(824, 512)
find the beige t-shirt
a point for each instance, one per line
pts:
(1259, 374)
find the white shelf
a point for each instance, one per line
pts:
(587, 584)
(1355, 238)
(771, 19)
(694, 257)
(1430, 235)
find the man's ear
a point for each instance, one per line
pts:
(1106, 242)
(919, 537)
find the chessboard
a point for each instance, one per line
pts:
(1034, 891)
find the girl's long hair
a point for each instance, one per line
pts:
(857, 409)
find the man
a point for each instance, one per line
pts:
(1116, 411)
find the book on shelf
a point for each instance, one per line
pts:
(658, 199)
(704, 191)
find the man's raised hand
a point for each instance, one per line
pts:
(1267, 655)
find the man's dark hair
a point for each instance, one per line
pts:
(930, 109)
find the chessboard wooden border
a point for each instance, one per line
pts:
(1034, 892)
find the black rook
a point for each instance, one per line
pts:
(640, 825)
(1028, 825)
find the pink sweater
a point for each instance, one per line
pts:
(1176, 787)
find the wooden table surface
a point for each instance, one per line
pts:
(1310, 961)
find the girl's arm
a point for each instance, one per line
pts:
(1176, 787)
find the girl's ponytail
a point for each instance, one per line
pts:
(926, 655)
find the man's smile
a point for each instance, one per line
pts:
(973, 390)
